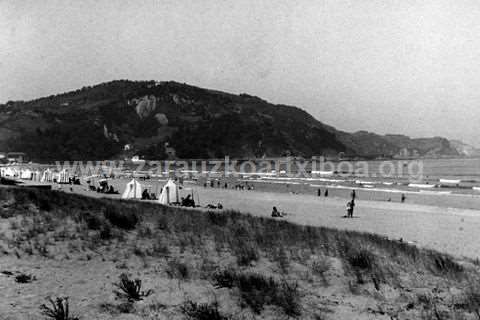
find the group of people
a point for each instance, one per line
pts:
(103, 187)
(187, 201)
(319, 193)
(351, 204)
(238, 186)
(148, 196)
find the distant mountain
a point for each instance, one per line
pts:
(169, 119)
(368, 144)
(465, 149)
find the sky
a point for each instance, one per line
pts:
(403, 67)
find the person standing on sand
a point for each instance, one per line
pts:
(352, 206)
(326, 193)
(353, 194)
(349, 208)
(319, 192)
(403, 197)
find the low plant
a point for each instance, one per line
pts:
(57, 309)
(177, 269)
(257, 290)
(24, 278)
(202, 311)
(120, 217)
(130, 289)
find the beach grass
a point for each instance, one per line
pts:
(269, 268)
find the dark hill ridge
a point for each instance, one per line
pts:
(98, 122)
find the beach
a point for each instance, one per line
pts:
(439, 227)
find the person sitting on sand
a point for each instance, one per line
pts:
(145, 195)
(276, 213)
(219, 206)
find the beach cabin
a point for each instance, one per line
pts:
(63, 177)
(47, 176)
(36, 175)
(26, 174)
(16, 157)
(10, 172)
(170, 193)
(133, 190)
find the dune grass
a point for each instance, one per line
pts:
(237, 242)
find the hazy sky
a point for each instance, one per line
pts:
(409, 67)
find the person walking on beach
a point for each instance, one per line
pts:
(326, 193)
(353, 194)
(319, 192)
(403, 197)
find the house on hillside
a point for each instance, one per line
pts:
(137, 159)
(170, 152)
(16, 156)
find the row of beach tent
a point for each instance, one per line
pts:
(170, 192)
(35, 175)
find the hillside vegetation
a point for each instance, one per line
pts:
(192, 264)
(97, 122)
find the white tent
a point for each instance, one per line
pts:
(47, 176)
(10, 172)
(133, 190)
(26, 174)
(63, 176)
(169, 193)
(36, 175)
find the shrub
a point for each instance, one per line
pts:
(105, 232)
(218, 219)
(472, 300)
(93, 221)
(362, 259)
(445, 264)
(24, 278)
(123, 220)
(130, 289)
(288, 299)
(256, 291)
(225, 278)
(178, 269)
(246, 253)
(58, 309)
(320, 266)
(203, 311)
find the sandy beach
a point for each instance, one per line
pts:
(450, 230)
